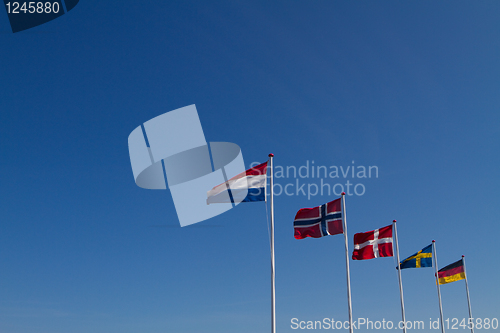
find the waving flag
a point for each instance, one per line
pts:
(373, 244)
(319, 221)
(422, 258)
(452, 272)
(247, 186)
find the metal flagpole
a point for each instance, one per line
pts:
(468, 299)
(399, 275)
(347, 264)
(437, 282)
(273, 307)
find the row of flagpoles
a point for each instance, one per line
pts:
(324, 220)
(330, 219)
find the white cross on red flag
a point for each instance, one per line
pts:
(373, 244)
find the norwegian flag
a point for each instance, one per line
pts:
(319, 221)
(373, 244)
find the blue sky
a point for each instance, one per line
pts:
(409, 87)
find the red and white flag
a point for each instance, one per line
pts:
(373, 244)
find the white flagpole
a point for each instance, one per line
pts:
(399, 275)
(349, 305)
(273, 304)
(437, 282)
(468, 299)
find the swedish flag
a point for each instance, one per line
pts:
(422, 258)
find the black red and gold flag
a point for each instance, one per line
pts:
(451, 273)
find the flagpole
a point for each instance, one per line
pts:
(399, 276)
(349, 304)
(437, 282)
(273, 304)
(468, 299)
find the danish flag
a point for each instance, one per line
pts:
(373, 244)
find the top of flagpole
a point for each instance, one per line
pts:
(393, 221)
(433, 241)
(343, 193)
(271, 155)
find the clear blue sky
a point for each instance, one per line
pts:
(410, 87)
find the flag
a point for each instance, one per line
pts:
(245, 187)
(373, 244)
(319, 221)
(452, 272)
(422, 258)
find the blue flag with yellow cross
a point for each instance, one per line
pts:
(422, 258)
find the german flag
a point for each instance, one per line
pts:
(452, 272)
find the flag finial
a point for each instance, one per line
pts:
(433, 241)
(463, 256)
(393, 221)
(271, 155)
(343, 193)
